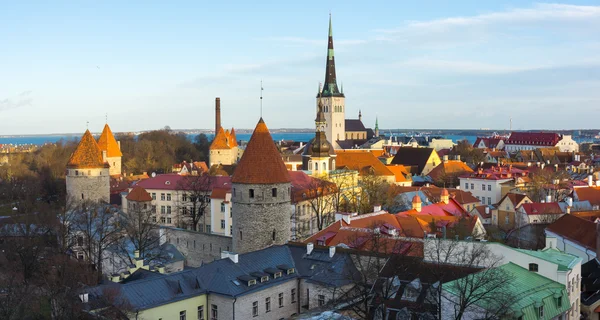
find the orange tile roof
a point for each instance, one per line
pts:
(450, 167)
(108, 143)
(87, 154)
(139, 194)
(362, 162)
(261, 162)
(232, 138)
(220, 140)
(220, 193)
(591, 194)
(400, 172)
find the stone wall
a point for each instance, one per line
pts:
(223, 156)
(262, 220)
(197, 247)
(88, 184)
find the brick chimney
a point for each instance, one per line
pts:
(217, 114)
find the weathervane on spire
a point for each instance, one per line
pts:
(87, 125)
(261, 97)
(106, 117)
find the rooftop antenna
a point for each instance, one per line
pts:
(261, 97)
(87, 125)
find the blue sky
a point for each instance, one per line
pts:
(432, 64)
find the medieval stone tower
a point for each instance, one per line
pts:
(260, 199)
(88, 177)
(109, 145)
(224, 148)
(331, 99)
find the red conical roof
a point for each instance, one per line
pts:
(261, 162)
(87, 154)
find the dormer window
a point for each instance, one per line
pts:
(251, 282)
(533, 267)
(264, 279)
(291, 270)
(277, 275)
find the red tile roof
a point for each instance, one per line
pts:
(591, 194)
(220, 140)
(541, 208)
(87, 155)
(261, 162)
(534, 138)
(489, 142)
(220, 193)
(108, 143)
(580, 231)
(139, 194)
(306, 187)
(232, 138)
(481, 210)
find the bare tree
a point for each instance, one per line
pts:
(373, 191)
(488, 287)
(140, 230)
(194, 202)
(100, 227)
(344, 196)
(319, 195)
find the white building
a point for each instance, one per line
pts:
(534, 140)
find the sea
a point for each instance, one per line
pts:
(293, 136)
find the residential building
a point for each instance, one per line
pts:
(549, 263)
(224, 148)
(490, 143)
(574, 235)
(446, 173)
(365, 162)
(313, 204)
(430, 195)
(486, 184)
(174, 196)
(88, 172)
(533, 140)
(261, 196)
(272, 283)
(402, 174)
(505, 214)
(421, 160)
(441, 144)
(589, 193)
(193, 168)
(484, 212)
(538, 297)
(220, 211)
(538, 213)
(590, 295)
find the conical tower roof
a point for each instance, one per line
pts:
(87, 154)
(232, 138)
(220, 140)
(261, 162)
(108, 143)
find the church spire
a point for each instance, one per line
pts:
(330, 87)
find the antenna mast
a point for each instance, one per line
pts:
(261, 97)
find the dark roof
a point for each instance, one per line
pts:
(308, 148)
(590, 282)
(370, 134)
(354, 125)
(410, 156)
(223, 276)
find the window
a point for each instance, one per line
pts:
(506, 220)
(277, 275)
(153, 209)
(214, 314)
(163, 219)
(168, 209)
(466, 185)
(559, 302)
(489, 200)
(184, 197)
(222, 224)
(321, 300)
(255, 309)
(80, 241)
(541, 311)
(251, 191)
(274, 234)
(472, 186)
(222, 207)
(163, 209)
(265, 278)
(489, 187)
(76, 172)
(293, 295)
(274, 192)
(153, 218)
(267, 304)
(162, 196)
(208, 228)
(200, 312)
(251, 282)
(169, 220)
(483, 187)
(281, 299)
(240, 234)
(168, 197)
(182, 315)
(291, 270)
(533, 267)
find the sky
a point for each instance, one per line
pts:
(432, 64)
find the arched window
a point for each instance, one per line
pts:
(316, 166)
(324, 166)
(82, 196)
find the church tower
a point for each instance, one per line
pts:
(319, 156)
(109, 145)
(331, 99)
(261, 204)
(88, 176)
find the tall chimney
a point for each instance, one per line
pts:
(217, 114)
